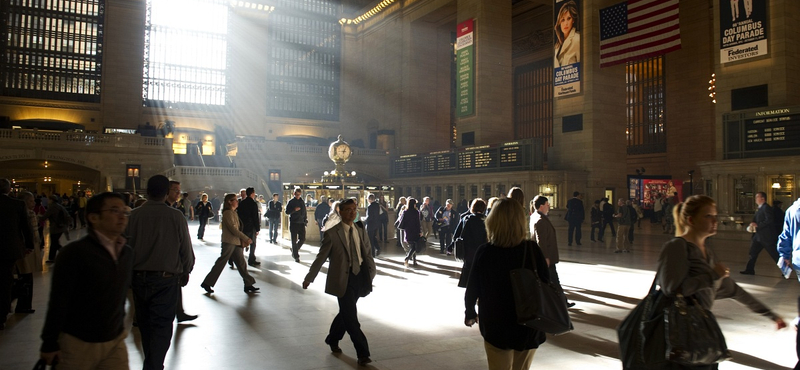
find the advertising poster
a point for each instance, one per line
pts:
(650, 188)
(567, 48)
(465, 60)
(743, 29)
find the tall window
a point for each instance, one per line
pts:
(533, 102)
(51, 49)
(646, 106)
(185, 53)
(304, 58)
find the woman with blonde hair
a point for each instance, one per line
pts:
(508, 345)
(689, 267)
(568, 37)
(233, 244)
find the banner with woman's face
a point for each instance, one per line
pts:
(567, 47)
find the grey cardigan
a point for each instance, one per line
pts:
(683, 269)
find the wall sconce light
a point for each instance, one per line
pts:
(777, 183)
(46, 164)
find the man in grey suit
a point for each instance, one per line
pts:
(544, 234)
(17, 240)
(350, 254)
(765, 237)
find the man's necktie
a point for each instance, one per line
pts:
(355, 266)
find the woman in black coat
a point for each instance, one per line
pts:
(473, 230)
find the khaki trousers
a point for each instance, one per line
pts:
(501, 359)
(622, 237)
(427, 228)
(80, 355)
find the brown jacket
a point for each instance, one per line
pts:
(544, 234)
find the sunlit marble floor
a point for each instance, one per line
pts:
(414, 318)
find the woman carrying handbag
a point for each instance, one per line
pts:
(691, 279)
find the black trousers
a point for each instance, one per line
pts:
(201, 231)
(372, 233)
(603, 229)
(25, 298)
(347, 319)
(55, 245)
(252, 235)
(574, 228)
(755, 249)
(298, 232)
(6, 279)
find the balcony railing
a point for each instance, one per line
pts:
(82, 139)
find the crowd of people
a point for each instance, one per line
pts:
(146, 248)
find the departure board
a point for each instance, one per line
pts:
(761, 133)
(781, 132)
(510, 156)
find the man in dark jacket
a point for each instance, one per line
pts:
(251, 222)
(608, 219)
(765, 235)
(323, 208)
(298, 219)
(274, 209)
(17, 239)
(575, 216)
(84, 324)
(373, 223)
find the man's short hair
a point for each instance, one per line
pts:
(348, 201)
(538, 201)
(173, 182)
(249, 191)
(157, 186)
(275, 195)
(575, 193)
(371, 197)
(96, 203)
(761, 193)
(5, 186)
(297, 190)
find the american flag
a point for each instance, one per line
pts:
(638, 29)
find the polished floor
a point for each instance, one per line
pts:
(414, 318)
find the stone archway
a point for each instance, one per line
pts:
(49, 176)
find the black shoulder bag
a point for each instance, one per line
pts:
(539, 305)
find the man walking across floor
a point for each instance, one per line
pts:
(624, 222)
(174, 201)
(575, 216)
(373, 223)
(350, 255)
(323, 208)
(426, 212)
(608, 219)
(84, 326)
(251, 222)
(298, 219)
(16, 240)
(764, 234)
(274, 209)
(789, 249)
(159, 236)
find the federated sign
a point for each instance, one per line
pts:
(465, 59)
(567, 50)
(743, 29)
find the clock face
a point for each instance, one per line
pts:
(343, 152)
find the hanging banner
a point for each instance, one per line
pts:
(743, 29)
(567, 51)
(465, 62)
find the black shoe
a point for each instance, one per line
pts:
(24, 310)
(578, 243)
(745, 272)
(363, 361)
(184, 317)
(207, 288)
(231, 265)
(601, 240)
(594, 240)
(297, 260)
(254, 264)
(617, 251)
(570, 304)
(334, 347)
(251, 289)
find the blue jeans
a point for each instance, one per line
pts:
(273, 229)
(155, 297)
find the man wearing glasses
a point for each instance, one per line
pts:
(84, 324)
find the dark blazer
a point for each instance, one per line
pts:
(544, 234)
(374, 214)
(15, 232)
(334, 246)
(248, 215)
(765, 232)
(472, 229)
(575, 210)
(274, 209)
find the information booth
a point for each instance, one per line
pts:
(317, 191)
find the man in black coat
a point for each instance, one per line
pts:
(575, 216)
(373, 223)
(251, 222)
(608, 219)
(765, 236)
(298, 219)
(17, 240)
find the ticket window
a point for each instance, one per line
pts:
(782, 188)
(744, 188)
(551, 192)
